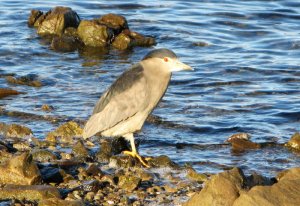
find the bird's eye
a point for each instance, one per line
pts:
(166, 59)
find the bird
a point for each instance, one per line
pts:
(125, 105)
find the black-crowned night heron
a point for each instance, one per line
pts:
(124, 107)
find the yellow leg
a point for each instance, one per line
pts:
(134, 153)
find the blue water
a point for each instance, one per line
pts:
(246, 78)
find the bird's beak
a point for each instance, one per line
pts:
(181, 66)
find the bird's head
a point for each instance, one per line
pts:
(167, 59)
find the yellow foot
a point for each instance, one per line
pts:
(136, 155)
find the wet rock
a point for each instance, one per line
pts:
(52, 174)
(222, 189)
(94, 34)
(71, 32)
(128, 39)
(65, 133)
(34, 15)
(57, 20)
(4, 156)
(60, 202)
(4, 92)
(195, 176)
(128, 182)
(22, 146)
(93, 170)
(162, 161)
(15, 130)
(65, 43)
(29, 80)
(110, 147)
(20, 170)
(285, 192)
(123, 161)
(200, 44)
(47, 108)
(28, 192)
(256, 179)
(241, 141)
(115, 22)
(79, 150)
(40, 143)
(42, 155)
(294, 142)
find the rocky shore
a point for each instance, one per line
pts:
(63, 169)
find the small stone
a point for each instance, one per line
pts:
(65, 43)
(80, 150)
(22, 146)
(129, 182)
(89, 196)
(5, 92)
(114, 21)
(60, 202)
(162, 161)
(42, 155)
(15, 130)
(47, 108)
(65, 133)
(241, 141)
(294, 142)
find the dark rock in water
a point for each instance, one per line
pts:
(222, 189)
(29, 80)
(128, 182)
(110, 147)
(15, 130)
(294, 142)
(34, 15)
(57, 20)
(20, 170)
(60, 202)
(114, 21)
(42, 155)
(162, 161)
(80, 150)
(65, 133)
(52, 174)
(4, 92)
(29, 192)
(65, 43)
(285, 192)
(94, 34)
(241, 141)
(128, 39)
(47, 108)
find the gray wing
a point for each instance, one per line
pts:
(127, 96)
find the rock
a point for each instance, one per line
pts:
(285, 192)
(140, 40)
(34, 15)
(65, 43)
(40, 143)
(194, 176)
(294, 142)
(42, 155)
(110, 147)
(29, 80)
(94, 34)
(93, 170)
(20, 170)
(128, 182)
(65, 133)
(221, 189)
(115, 22)
(241, 141)
(123, 42)
(47, 108)
(71, 32)
(29, 192)
(4, 92)
(15, 130)
(257, 179)
(162, 161)
(57, 20)
(52, 174)
(60, 202)
(80, 150)
(22, 146)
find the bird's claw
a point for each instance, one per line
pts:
(136, 155)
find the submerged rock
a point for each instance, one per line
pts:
(65, 43)
(47, 108)
(15, 130)
(294, 142)
(65, 133)
(241, 141)
(57, 20)
(94, 34)
(222, 189)
(5, 92)
(20, 170)
(29, 80)
(29, 192)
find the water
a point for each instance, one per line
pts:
(246, 78)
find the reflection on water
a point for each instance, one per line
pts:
(246, 78)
